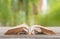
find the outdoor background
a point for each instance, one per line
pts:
(42, 12)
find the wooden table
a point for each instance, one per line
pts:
(55, 29)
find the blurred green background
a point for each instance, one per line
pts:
(16, 12)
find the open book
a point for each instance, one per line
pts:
(33, 30)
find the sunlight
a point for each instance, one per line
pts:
(44, 6)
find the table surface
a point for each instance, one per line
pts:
(4, 29)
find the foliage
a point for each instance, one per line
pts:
(15, 12)
(52, 18)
